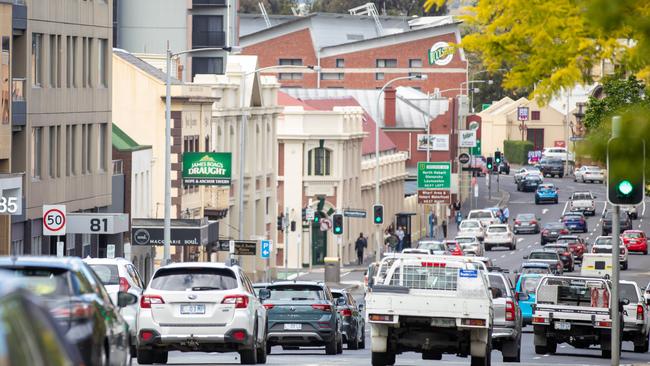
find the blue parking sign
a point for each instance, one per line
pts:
(266, 249)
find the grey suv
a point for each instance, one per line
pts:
(506, 334)
(353, 327)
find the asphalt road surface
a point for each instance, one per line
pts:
(519, 202)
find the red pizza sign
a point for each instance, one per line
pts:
(54, 220)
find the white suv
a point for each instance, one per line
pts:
(205, 307)
(119, 274)
(558, 153)
(499, 235)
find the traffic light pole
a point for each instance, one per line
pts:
(614, 299)
(489, 177)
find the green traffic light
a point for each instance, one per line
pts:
(625, 187)
(338, 229)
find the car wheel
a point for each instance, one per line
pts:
(249, 356)
(261, 351)
(330, 347)
(624, 266)
(362, 342)
(383, 358)
(510, 348)
(484, 361)
(145, 357)
(642, 348)
(540, 350)
(536, 201)
(102, 355)
(556, 201)
(339, 346)
(353, 342)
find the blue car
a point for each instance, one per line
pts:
(575, 222)
(546, 193)
(527, 284)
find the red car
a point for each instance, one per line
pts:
(577, 245)
(454, 248)
(635, 241)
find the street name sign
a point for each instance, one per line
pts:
(355, 213)
(54, 220)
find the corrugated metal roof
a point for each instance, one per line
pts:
(145, 66)
(410, 105)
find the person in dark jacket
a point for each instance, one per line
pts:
(359, 246)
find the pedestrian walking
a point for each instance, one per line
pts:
(359, 246)
(459, 218)
(400, 236)
(444, 228)
(506, 214)
(391, 242)
(433, 223)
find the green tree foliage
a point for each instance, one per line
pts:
(619, 95)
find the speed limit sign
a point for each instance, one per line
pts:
(54, 220)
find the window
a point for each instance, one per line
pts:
(72, 62)
(37, 245)
(37, 145)
(68, 150)
(37, 59)
(319, 161)
(53, 65)
(340, 62)
(207, 65)
(17, 247)
(191, 144)
(52, 155)
(386, 62)
(207, 31)
(86, 138)
(85, 245)
(103, 63)
(290, 75)
(332, 76)
(415, 63)
(103, 133)
(74, 146)
(87, 57)
(70, 244)
(535, 116)
(379, 76)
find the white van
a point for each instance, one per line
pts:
(596, 265)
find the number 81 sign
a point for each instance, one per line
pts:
(54, 220)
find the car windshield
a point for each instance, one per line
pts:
(197, 279)
(543, 255)
(628, 291)
(436, 247)
(107, 273)
(581, 196)
(451, 246)
(603, 241)
(535, 270)
(497, 229)
(296, 292)
(44, 281)
(529, 284)
(554, 226)
(633, 235)
(469, 225)
(525, 217)
(480, 215)
(465, 240)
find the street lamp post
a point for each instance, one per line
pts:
(168, 166)
(377, 172)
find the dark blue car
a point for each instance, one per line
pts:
(575, 222)
(546, 193)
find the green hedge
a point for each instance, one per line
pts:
(517, 151)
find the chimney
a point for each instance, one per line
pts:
(389, 107)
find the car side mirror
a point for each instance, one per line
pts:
(125, 299)
(521, 296)
(340, 301)
(360, 307)
(265, 294)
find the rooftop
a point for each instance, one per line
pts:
(145, 66)
(123, 142)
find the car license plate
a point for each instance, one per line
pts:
(553, 232)
(193, 309)
(292, 326)
(562, 326)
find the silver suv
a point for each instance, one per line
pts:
(506, 334)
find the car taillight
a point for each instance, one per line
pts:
(124, 284)
(566, 254)
(604, 324)
(240, 301)
(474, 322)
(510, 311)
(539, 319)
(517, 222)
(380, 318)
(564, 231)
(544, 231)
(269, 306)
(346, 312)
(147, 300)
(639, 312)
(146, 335)
(322, 307)
(81, 311)
(534, 222)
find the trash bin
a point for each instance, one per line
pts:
(332, 270)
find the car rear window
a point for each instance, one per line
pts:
(573, 292)
(603, 241)
(597, 249)
(497, 282)
(432, 246)
(197, 279)
(480, 215)
(107, 273)
(529, 284)
(554, 225)
(45, 281)
(535, 270)
(465, 240)
(633, 235)
(497, 229)
(581, 196)
(628, 291)
(469, 224)
(543, 255)
(525, 217)
(297, 292)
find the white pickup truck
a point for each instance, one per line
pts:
(572, 310)
(431, 305)
(584, 202)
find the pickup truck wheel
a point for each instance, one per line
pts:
(339, 346)
(551, 347)
(624, 266)
(510, 348)
(540, 350)
(642, 348)
(362, 343)
(383, 358)
(331, 346)
(484, 361)
(606, 353)
(431, 356)
(146, 357)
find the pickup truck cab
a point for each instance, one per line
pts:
(584, 202)
(572, 310)
(486, 217)
(635, 317)
(431, 305)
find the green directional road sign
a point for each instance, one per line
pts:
(476, 151)
(434, 175)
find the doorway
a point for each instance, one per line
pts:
(536, 136)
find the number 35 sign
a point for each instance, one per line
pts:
(54, 220)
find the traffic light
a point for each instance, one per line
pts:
(280, 223)
(625, 171)
(489, 163)
(497, 158)
(378, 214)
(317, 217)
(337, 224)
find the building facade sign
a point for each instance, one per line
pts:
(183, 232)
(207, 168)
(441, 54)
(467, 138)
(433, 142)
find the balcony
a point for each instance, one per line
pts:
(204, 39)
(19, 15)
(18, 102)
(198, 3)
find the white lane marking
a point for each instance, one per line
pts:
(604, 208)
(528, 246)
(345, 274)
(565, 206)
(536, 358)
(544, 211)
(643, 211)
(520, 240)
(536, 243)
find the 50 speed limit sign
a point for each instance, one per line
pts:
(54, 220)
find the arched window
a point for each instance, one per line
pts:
(319, 161)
